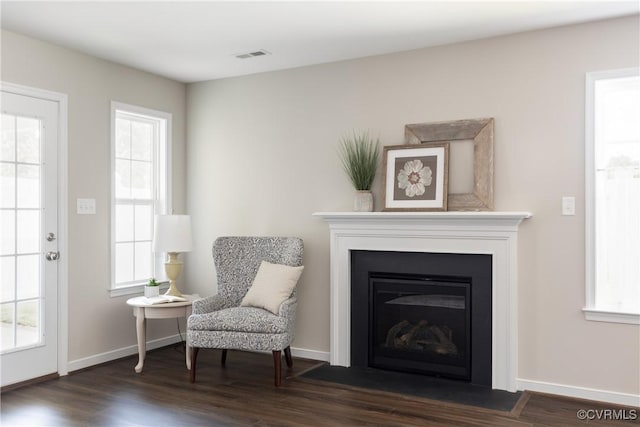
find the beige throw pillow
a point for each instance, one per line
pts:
(272, 285)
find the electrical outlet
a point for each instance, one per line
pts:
(86, 206)
(568, 205)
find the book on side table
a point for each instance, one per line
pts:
(162, 299)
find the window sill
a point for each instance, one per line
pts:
(134, 289)
(611, 316)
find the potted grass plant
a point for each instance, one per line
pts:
(359, 155)
(152, 288)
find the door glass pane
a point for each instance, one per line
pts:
(28, 276)
(28, 186)
(20, 231)
(7, 185)
(28, 323)
(28, 231)
(8, 278)
(28, 133)
(7, 326)
(8, 228)
(8, 148)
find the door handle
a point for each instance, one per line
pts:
(52, 256)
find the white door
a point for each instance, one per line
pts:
(28, 237)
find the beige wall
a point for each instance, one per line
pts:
(97, 322)
(262, 158)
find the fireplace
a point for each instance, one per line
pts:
(424, 313)
(420, 324)
(488, 233)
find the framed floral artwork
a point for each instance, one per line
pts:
(416, 177)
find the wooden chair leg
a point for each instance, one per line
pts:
(223, 359)
(277, 363)
(194, 355)
(287, 356)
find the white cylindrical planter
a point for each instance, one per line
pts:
(151, 291)
(363, 201)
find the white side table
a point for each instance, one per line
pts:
(143, 311)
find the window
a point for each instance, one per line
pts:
(140, 147)
(613, 196)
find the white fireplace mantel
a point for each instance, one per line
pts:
(492, 233)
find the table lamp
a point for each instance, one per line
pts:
(172, 234)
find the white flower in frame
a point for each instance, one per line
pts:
(414, 177)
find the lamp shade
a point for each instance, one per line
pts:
(172, 233)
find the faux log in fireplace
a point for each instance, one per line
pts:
(419, 324)
(425, 313)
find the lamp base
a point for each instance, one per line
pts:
(173, 268)
(173, 289)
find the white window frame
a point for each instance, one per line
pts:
(162, 188)
(591, 311)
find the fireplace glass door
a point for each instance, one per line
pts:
(420, 324)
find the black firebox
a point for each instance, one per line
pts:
(419, 324)
(426, 313)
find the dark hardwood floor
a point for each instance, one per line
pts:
(242, 394)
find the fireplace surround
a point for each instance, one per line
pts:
(490, 233)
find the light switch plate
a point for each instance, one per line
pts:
(568, 205)
(86, 206)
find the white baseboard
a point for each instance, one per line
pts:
(615, 397)
(108, 356)
(310, 354)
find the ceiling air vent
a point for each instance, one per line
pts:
(260, 52)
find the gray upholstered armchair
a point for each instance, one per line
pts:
(220, 322)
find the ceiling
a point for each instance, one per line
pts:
(196, 41)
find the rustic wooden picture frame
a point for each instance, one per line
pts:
(481, 132)
(431, 196)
